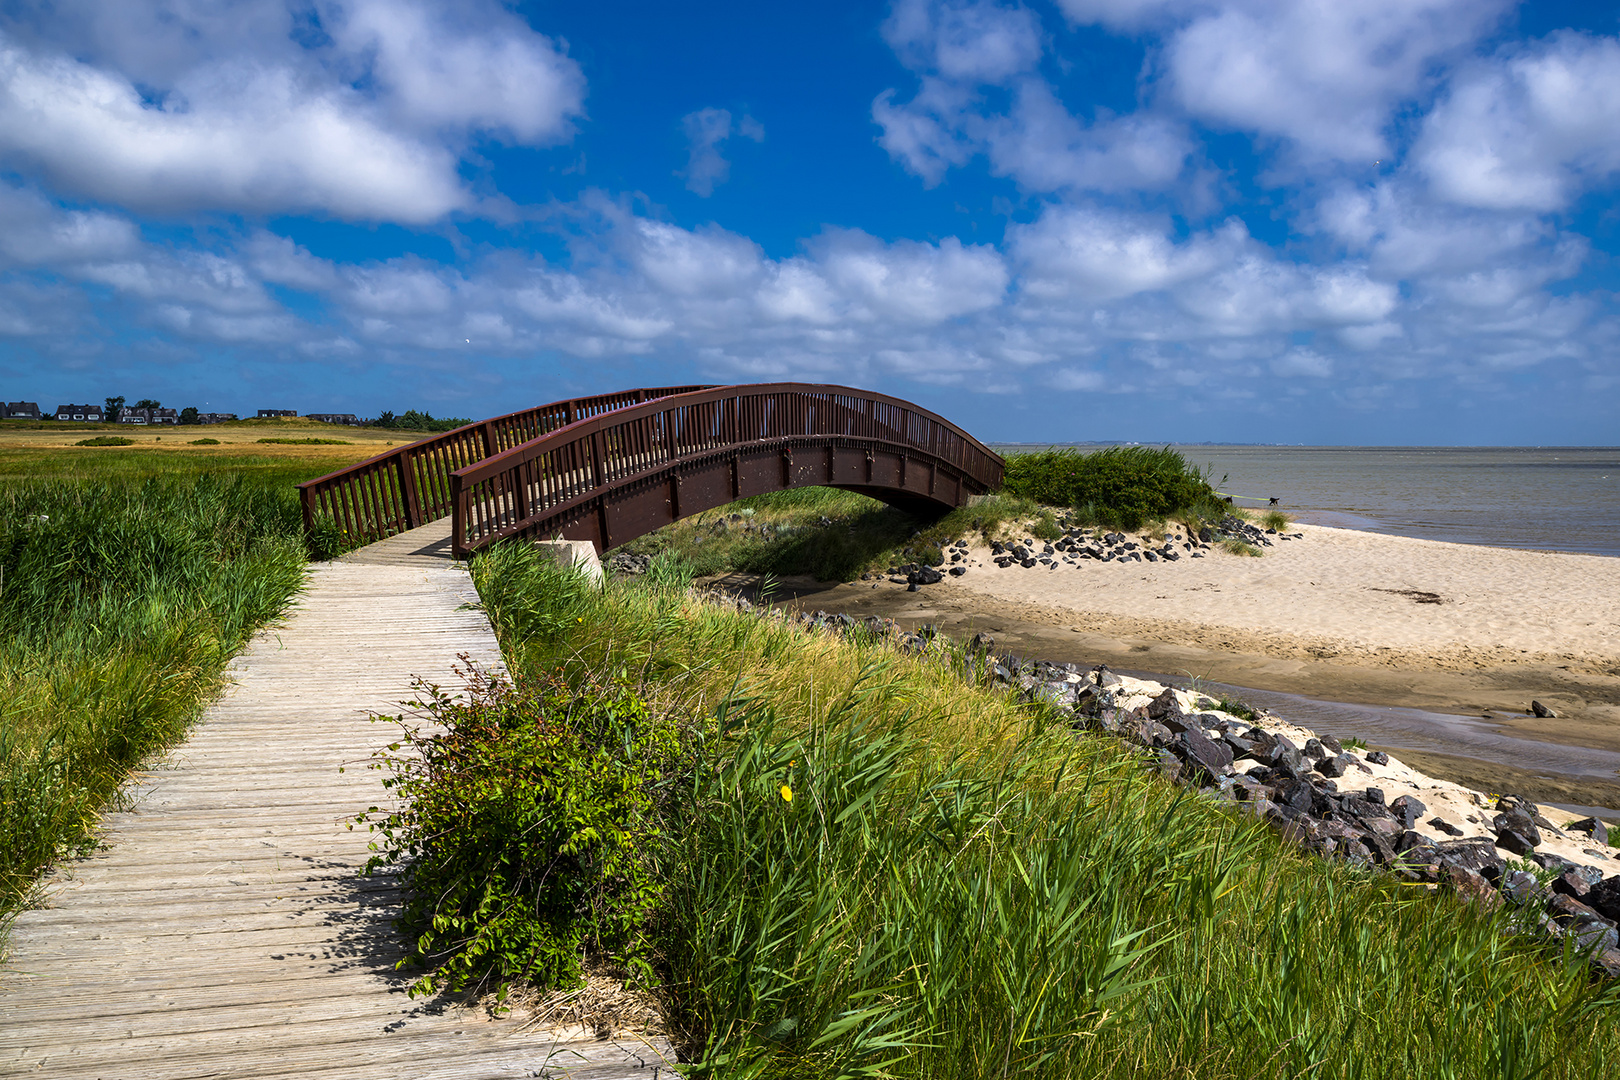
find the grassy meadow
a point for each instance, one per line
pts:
(870, 864)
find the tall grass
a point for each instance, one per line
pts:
(120, 604)
(959, 887)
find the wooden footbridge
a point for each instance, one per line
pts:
(608, 469)
(223, 929)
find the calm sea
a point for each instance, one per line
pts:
(1558, 499)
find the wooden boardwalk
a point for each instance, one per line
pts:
(223, 930)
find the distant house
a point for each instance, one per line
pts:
(215, 417)
(149, 416)
(334, 418)
(277, 412)
(86, 413)
(20, 410)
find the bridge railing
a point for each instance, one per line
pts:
(410, 486)
(512, 492)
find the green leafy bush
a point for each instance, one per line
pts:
(307, 442)
(106, 440)
(204, 442)
(522, 833)
(1122, 486)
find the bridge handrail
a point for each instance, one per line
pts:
(573, 464)
(410, 485)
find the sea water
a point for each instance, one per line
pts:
(1542, 498)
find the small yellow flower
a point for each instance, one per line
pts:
(787, 793)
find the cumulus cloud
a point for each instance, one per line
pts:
(958, 49)
(1530, 129)
(172, 108)
(706, 132)
(1327, 76)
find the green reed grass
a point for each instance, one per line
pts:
(120, 603)
(960, 887)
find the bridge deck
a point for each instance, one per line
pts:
(222, 930)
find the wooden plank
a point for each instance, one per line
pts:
(224, 929)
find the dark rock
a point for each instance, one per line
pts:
(1378, 757)
(958, 571)
(1407, 810)
(1516, 832)
(1372, 794)
(1589, 929)
(1604, 897)
(1298, 794)
(1542, 711)
(1442, 825)
(1169, 766)
(1105, 678)
(1569, 883)
(1469, 885)
(1518, 887)
(925, 575)
(1316, 751)
(1208, 759)
(1474, 854)
(1248, 789)
(981, 643)
(1165, 705)
(1593, 827)
(1284, 755)
(1333, 766)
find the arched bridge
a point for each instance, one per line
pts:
(611, 468)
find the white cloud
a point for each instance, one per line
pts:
(1094, 257)
(1302, 362)
(969, 42)
(1529, 130)
(706, 132)
(174, 107)
(1324, 74)
(463, 66)
(959, 48)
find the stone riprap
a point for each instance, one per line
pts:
(1074, 548)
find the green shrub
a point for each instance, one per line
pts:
(522, 834)
(204, 442)
(1122, 486)
(307, 442)
(1276, 519)
(106, 440)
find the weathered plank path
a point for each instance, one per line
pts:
(223, 929)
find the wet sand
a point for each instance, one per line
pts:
(1329, 617)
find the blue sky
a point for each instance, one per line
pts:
(1392, 221)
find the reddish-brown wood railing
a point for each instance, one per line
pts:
(410, 486)
(530, 488)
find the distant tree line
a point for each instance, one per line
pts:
(411, 420)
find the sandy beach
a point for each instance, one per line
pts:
(1336, 615)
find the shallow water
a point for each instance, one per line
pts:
(1544, 498)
